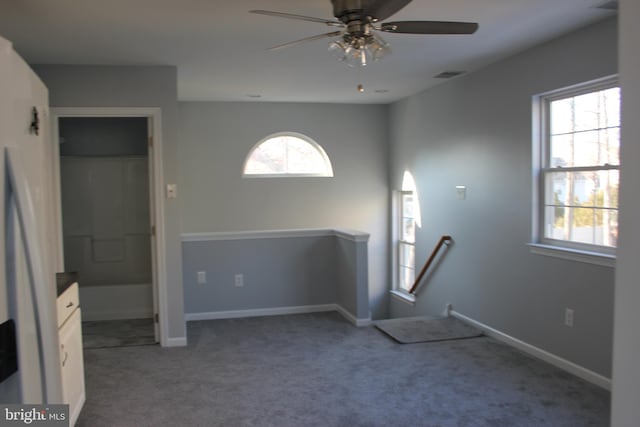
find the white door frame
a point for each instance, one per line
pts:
(156, 180)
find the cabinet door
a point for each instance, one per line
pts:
(72, 365)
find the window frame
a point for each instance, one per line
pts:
(577, 251)
(328, 166)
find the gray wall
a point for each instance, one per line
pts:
(476, 131)
(351, 263)
(281, 270)
(278, 272)
(626, 382)
(111, 86)
(215, 138)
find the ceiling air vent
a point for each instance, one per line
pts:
(610, 5)
(448, 74)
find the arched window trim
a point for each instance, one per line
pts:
(327, 162)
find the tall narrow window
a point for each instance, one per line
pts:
(287, 154)
(580, 167)
(406, 241)
(407, 218)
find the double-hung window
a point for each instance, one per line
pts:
(406, 241)
(579, 171)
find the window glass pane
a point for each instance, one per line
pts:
(268, 157)
(406, 278)
(408, 230)
(590, 188)
(607, 186)
(302, 157)
(585, 129)
(588, 148)
(407, 205)
(582, 225)
(406, 263)
(287, 154)
(408, 224)
(407, 255)
(554, 223)
(610, 228)
(610, 146)
(582, 228)
(561, 116)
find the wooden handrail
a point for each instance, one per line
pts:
(427, 264)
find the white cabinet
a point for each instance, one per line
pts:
(71, 359)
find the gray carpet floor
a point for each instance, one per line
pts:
(318, 370)
(118, 333)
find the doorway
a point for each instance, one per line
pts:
(109, 214)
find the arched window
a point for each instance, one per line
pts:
(287, 154)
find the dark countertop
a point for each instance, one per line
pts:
(64, 280)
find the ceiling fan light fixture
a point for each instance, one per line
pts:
(337, 49)
(356, 55)
(359, 51)
(377, 48)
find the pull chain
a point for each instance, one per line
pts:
(359, 86)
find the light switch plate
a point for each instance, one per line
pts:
(461, 190)
(202, 277)
(172, 191)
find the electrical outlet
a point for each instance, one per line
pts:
(568, 317)
(202, 277)
(239, 280)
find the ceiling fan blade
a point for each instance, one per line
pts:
(306, 39)
(429, 27)
(383, 9)
(330, 22)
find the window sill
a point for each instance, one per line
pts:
(404, 296)
(596, 258)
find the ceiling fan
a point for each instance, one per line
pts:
(359, 23)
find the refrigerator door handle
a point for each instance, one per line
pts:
(43, 295)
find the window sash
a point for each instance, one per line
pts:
(543, 205)
(406, 265)
(405, 268)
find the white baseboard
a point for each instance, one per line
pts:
(539, 353)
(351, 318)
(175, 342)
(277, 311)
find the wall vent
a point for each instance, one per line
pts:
(448, 74)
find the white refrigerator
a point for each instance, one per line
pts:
(27, 237)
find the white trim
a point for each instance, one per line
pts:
(544, 355)
(356, 236)
(258, 312)
(352, 235)
(541, 145)
(277, 311)
(596, 258)
(403, 296)
(175, 342)
(156, 156)
(355, 321)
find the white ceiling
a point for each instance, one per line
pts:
(220, 49)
